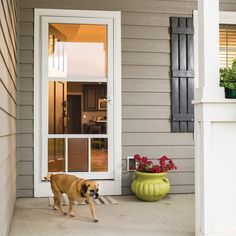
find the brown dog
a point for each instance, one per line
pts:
(76, 189)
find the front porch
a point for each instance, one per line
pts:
(172, 216)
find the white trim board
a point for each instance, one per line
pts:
(113, 186)
(215, 123)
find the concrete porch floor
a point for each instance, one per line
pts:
(171, 216)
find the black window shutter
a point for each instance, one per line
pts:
(182, 74)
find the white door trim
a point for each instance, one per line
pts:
(111, 187)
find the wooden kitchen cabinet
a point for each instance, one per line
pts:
(90, 98)
(91, 95)
(102, 91)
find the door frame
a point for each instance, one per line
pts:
(113, 186)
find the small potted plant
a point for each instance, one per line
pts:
(228, 80)
(150, 182)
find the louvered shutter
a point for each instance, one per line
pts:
(182, 74)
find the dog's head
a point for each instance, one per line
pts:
(90, 189)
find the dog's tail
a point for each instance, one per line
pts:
(48, 177)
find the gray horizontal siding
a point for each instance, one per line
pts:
(146, 112)
(8, 111)
(145, 82)
(26, 112)
(145, 45)
(25, 182)
(142, 72)
(25, 140)
(150, 139)
(26, 56)
(144, 126)
(26, 85)
(146, 85)
(145, 58)
(26, 42)
(26, 28)
(177, 152)
(151, 6)
(26, 98)
(25, 126)
(26, 15)
(25, 154)
(144, 32)
(145, 99)
(25, 168)
(25, 192)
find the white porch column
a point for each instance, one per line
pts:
(215, 133)
(208, 23)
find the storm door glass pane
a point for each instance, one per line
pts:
(57, 122)
(56, 155)
(77, 107)
(99, 157)
(77, 155)
(77, 50)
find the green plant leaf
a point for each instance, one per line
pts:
(228, 76)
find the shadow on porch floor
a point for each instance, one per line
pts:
(171, 216)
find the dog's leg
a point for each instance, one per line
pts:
(71, 213)
(91, 206)
(55, 203)
(60, 205)
(57, 197)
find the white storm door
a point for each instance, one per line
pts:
(77, 92)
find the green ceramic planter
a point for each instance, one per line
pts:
(229, 93)
(150, 186)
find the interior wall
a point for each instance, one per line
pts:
(146, 100)
(8, 111)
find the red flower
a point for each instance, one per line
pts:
(137, 157)
(144, 165)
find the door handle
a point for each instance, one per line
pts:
(107, 99)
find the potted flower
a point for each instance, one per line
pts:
(150, 182)
(228, 80)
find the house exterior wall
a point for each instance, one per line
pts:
(8, 111)
(146, 103)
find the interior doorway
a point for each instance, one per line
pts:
(74, 122)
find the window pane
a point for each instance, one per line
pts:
(99, 157)
(77, 50)
(77, 108)
(57, 121)
(227, 45)
(77, 155)
(56, 155)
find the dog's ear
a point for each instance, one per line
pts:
(84, 188)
